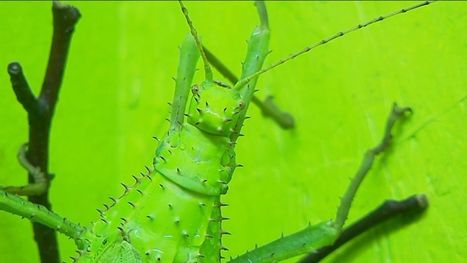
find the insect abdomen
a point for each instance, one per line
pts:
(161, 220)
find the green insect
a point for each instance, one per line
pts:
(172, 212)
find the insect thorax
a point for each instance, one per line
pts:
(196, 160)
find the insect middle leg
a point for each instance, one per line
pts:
(325, 233)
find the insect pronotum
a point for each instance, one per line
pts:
(179, 171)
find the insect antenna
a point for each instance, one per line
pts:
(194, 33)
(245, 80)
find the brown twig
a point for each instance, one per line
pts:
(389, 209)
(40, 113)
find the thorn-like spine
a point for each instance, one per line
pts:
(137, 180)
(220, 204)
(148, 169)
(126, 187)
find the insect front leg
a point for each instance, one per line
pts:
(186, 70)
(268, 108)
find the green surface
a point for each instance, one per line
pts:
(119, 79)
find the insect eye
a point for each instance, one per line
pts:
(195, 89)
(241, 104)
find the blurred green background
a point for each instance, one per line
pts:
(119, 79)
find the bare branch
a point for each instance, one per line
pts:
(21, 88)
(40, 113)
(65, 18)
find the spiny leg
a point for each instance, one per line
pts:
(40, 184)
(37, 213)
(186, 69)
(326, 233)
(390, 209)
(368, 160)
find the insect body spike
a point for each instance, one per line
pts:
(194, 33)
(245, 80)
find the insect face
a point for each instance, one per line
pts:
(215, 109)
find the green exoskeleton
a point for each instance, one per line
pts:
(172, 212)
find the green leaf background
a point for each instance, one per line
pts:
(119, 79)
